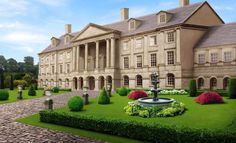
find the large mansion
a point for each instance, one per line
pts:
(188, 42)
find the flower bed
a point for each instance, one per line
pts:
(173, 92)
(136, 109)
(136, 94)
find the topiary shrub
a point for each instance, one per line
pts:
(11, 83)
(75, 103)
(55, 89)
(122, 91)
(103, 97)
(31, 91)
(136, 94)
(209, 98)
(192, 88)
(232, 88)
(4, 95)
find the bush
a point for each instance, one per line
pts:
(155, 132)
(122, 91)
(2, 81)
(36, 86)
(31, 91)
(232, 88)
(103, 97)
(66, 89)
(4, 95)
(209, 98)
(136, 94)
(20, 82)
(27, 78)
(192, 88)
(75, 103)
(55, 89)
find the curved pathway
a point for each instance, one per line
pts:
(11, 131)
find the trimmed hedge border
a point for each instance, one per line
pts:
(155, 133)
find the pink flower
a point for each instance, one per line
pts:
(136, 94)
(209, 98)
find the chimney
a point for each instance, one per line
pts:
(67, 28)
(183, 3)
(124, 13)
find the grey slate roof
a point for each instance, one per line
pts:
(224, 34)
(149, 22)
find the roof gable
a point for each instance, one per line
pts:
(92, 30)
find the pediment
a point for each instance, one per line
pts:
(92, 30)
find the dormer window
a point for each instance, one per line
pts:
(163, 17)
(67, 39)
(54, 41)
(134, 23)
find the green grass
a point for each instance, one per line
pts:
(213, 117)
(14, 93)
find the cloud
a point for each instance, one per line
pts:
(223, 8)
(54, 3)
(9, 8)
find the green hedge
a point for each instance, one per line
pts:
(222, 92)
(154, 133)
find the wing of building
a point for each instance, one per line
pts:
(188, 42)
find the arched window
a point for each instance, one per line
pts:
(200, 83)
(225, 83)
(170, 79)
(67, 82)
(139, 81)
(126, 81)
(213, 83)
(60, 83)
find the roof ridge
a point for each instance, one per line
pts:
(199, 3)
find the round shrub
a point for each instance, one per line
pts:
(75, 103)
(103, 97)
(55, 89)
(192, 88)
(209, 98)
(4, 95)
(122, 91)
(31, 91)
(136, 94)
(232, 88)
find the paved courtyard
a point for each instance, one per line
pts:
(11, 131)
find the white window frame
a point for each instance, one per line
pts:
(153, 40)
(214, 57)
(227, 56)
(201, 58)
(139, 43)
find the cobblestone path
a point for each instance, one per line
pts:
(13, 132)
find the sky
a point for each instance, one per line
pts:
(26, 26)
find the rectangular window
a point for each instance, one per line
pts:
(170, 37)
(125, 45)
(170, 58)
(61, 69)
(53, 57)
(139, 61)
(162, 18)
(139, 43)
(126, 62)
(214, 57)
(153, 40)
(53, 70)
(153, 60)
(68, 68)
(201, 58)
(227, 56)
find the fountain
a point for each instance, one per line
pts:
(155, 101)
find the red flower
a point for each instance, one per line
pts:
(136, 94)
(209, 98)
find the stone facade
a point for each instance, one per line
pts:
(126, 53)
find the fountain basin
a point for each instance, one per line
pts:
(149, 102)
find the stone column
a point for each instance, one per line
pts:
(113, 44)
(77, 58)
(73, 58)
(86, 57)
(97, 54)
(107, 53)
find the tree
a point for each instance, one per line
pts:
(29, 64)
(1, 81)
(3, 62)
(192, 88)
(27, 78)
(11, 83)
(232, 88)
(12, 65)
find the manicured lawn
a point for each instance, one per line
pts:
(14, 93)
(213, 117)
